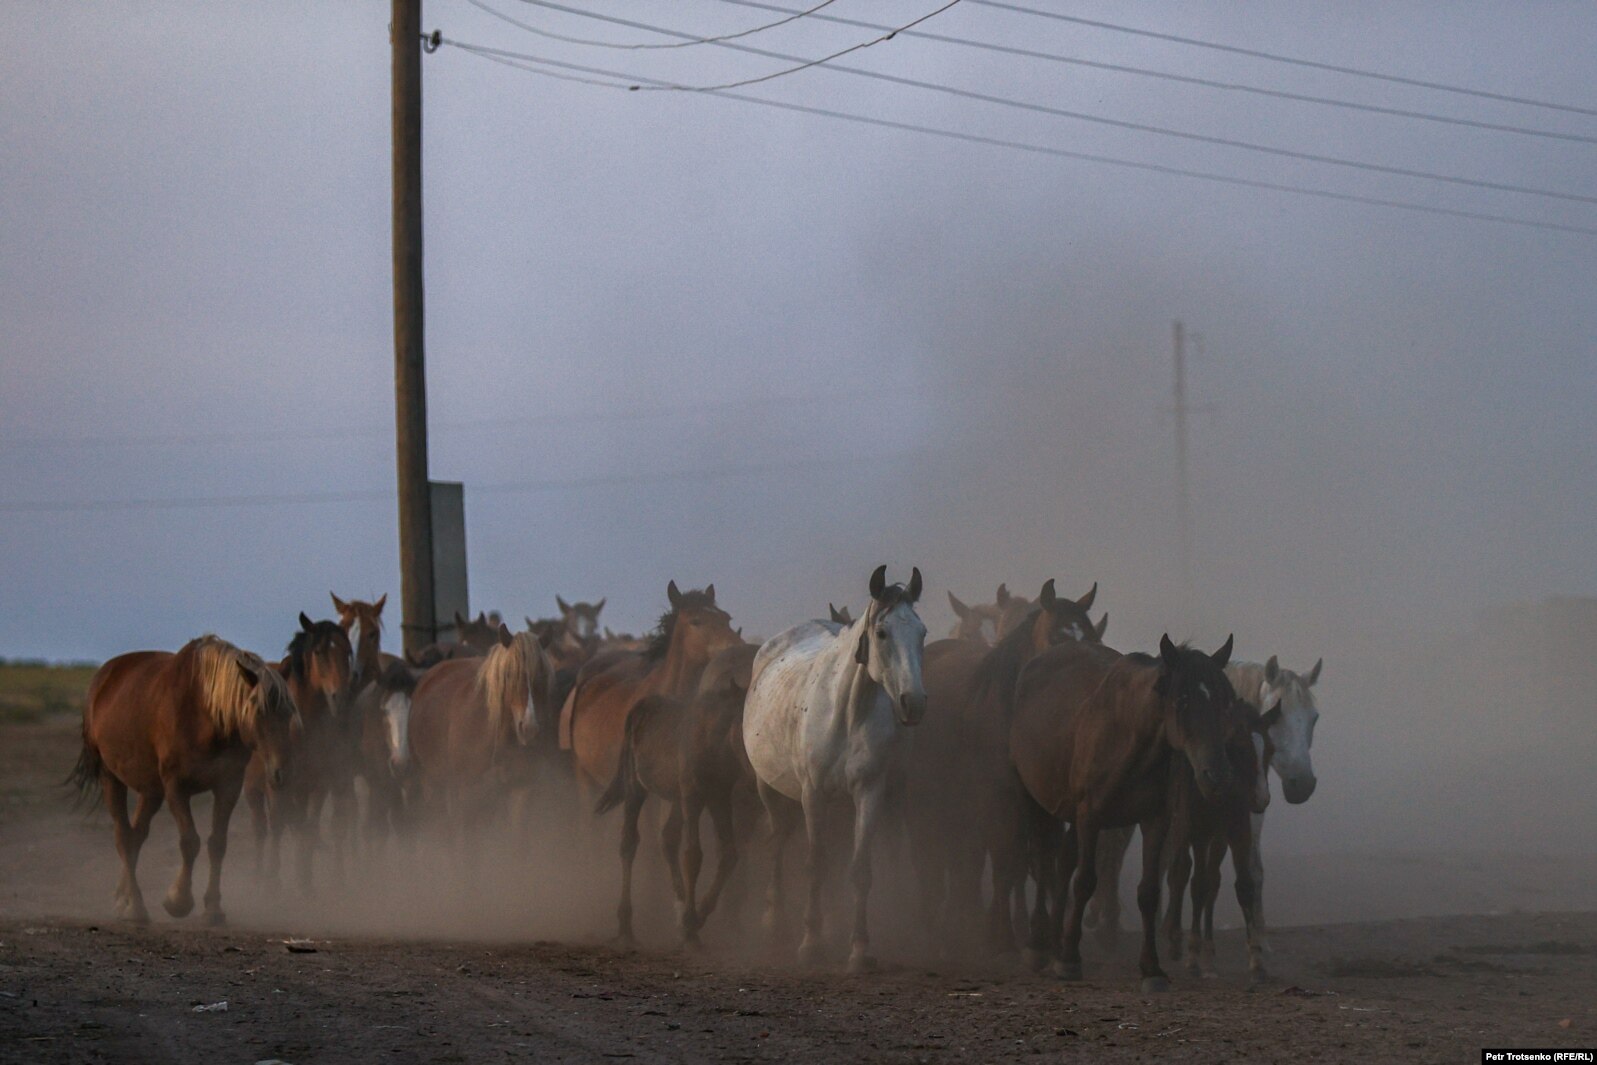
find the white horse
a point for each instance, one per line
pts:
(825, 721)
(1282, 698)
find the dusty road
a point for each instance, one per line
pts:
(407, 969)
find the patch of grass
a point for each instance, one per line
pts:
(34, 690)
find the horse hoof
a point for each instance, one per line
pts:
(215, 918)
(137, 915)
(1067, 970)
(860, 962)
(1260, 978)
(809, 953)
(1033, 959)
(178, 907)
(1155, 985)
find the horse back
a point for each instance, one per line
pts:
(442, 714)
(131, 717)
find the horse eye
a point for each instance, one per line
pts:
(881, 634)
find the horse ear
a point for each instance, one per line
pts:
(565, 607)
(879, 581)
(1002, 598)
(1223, 655)
(305, 623)
(831, 612)
(1103, 626)
(598, 607)
(1086, 601)
(251, 677)
(1169, 652)
(673, 594)
(460, 622)
(1272, 670)
(862, 653)
(709, 590)
(914, 584)
(546, 638)
(1047, 597)
(482, 618)
(1314, 674)
(505, 638)
(377, 607)
(338, 604)
(960, 609)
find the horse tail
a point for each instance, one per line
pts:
(626, 778)
(85, 776)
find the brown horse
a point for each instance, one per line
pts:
(612, 683)
(476, 636)
(383, 685)
(469, 718)
(978, 624)
(169, 726)
(963, 806)
(318, 670)
(1093, 737)
(689, 753)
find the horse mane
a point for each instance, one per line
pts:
(1001, 665)
(299, 648)
(503, 673)
(226, 696)
(660, 638)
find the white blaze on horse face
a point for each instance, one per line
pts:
(396, 716)
(527, 723)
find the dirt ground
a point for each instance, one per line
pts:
(421, 958)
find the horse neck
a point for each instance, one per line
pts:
(312, 703)
(856, 689)
(678, 672)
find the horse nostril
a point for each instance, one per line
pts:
(277, 778)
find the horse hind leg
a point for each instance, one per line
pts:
(783, 815)
(671, 849)
(629, 851)
(130, 837)
(726, 858)
(179, 901)
(255, 799)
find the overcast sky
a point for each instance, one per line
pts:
(946, 354)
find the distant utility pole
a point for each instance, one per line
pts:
(410, 368)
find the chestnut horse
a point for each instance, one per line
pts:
(689, 753)
(169, 726)
(1093, 737)
(593, 721)
(380, 710)
(468, 718)
(962, 801)
(318, 670)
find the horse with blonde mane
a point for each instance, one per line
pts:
(470, 717)
(168, 727)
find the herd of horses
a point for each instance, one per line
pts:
(1012, 759)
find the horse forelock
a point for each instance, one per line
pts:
(506, 672)
(307, 642)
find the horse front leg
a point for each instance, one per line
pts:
(1081, 892)
(868, 811)
(810, 947)
(1103, 913)
(691, 862)
(1154, 832)
(1180, 874)
(1240, 836)
(216, 847)
(179, 901)
(726, 847)
(783, 815)
(1256, 865)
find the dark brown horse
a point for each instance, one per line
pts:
(383, 685)
(475, 637)
(963, 804)
(689, 753)
(470, 717)
(318, 671)
(1093, 738)
(169, 726)
(593, 722)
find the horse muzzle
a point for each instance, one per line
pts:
(1214, 784)
(911, 708)
(1298, 789)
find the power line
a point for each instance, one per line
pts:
(793, 16)
(800, 63)
(521, 61)
(1186, 79)
(1060, 112)
(696, 475)
(1278, 58)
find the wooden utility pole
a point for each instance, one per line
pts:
(410, 367)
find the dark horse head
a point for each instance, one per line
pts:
(1202, 714)
(320, 660)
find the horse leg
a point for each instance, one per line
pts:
(310, 830)
(1181, 872)
(692, 863)
(1115, 842)
(343, 815)
(868, 807)
(255, 799)
(783, 815)
(1240, 836)
(809, 951)
(127, 889)
(1256, 866)
(629, 851)
(226, 797)
(671, 848)
(1081, 891)
(179, 899)
(1041, 850)
(1214, 857)
(1154, 831)
(726, 846)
